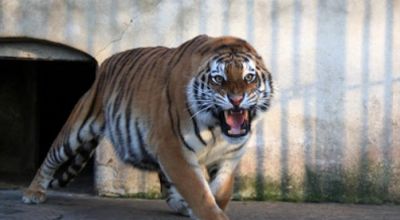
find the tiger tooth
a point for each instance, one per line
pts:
(242, 131)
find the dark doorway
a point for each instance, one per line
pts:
(36, 98)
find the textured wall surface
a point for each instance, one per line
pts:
(332, 133)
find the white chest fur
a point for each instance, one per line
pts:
(217, 146)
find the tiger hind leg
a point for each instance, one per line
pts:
(48, 176)
(69, 153)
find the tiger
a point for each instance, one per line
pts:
(185, 112)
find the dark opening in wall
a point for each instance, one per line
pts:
(36, 98)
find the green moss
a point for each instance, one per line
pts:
(151, 194)
(145, 195)
(371, 183)
(250, 188)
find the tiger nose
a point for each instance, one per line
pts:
(235, 99)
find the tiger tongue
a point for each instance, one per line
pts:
(235, 121)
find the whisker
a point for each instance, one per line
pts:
(200, 111)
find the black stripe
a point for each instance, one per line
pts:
(178, 125)
(171, 118)
(128, 134)
(116, 103)
(263, 77)
(118, 75)
(129, 54)
(214, 115)
(166, 50)
(151, 60)
(107, 68)
(202, 84)
(235, 149)
(135, 54)
(129, 101)
(264, 107)
(112, 77)
(195, 126)
(90, 112)
(77, 167)
(271, 84)
(203, 79)
(132, 63)
(91, 130)
(109, 122)
(51, 155)
(142, 69)
(148, 160)
(85, 154)
(68, 151)
(211, 129)
(196, 89)
(139, 134)
(137, 57)
(117, 60)
(164, 181)
(78, 136)
(118, 132)
(51, 183)
(205, 50)
(121, 85)
(77, 110)
(177, 131)
(56, 157)
(51, 160)
(179, 57)
(199, 41)
(220, 59)
(233, 47)
(133, 76)
(156, 75)
(141, 143)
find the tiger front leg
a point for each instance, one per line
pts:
(173, 198)
(221, 182)
(182, 168)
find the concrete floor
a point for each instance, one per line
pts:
(64, 205)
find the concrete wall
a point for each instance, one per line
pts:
(332, 133)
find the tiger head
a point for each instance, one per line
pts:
(231, 90)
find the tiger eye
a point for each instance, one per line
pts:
(250, 78)
(218, 79)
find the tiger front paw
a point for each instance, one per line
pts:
(33, 196)
(179, 205)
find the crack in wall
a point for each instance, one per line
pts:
(153, 7)
(119, 38)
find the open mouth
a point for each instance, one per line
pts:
(235, 122)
